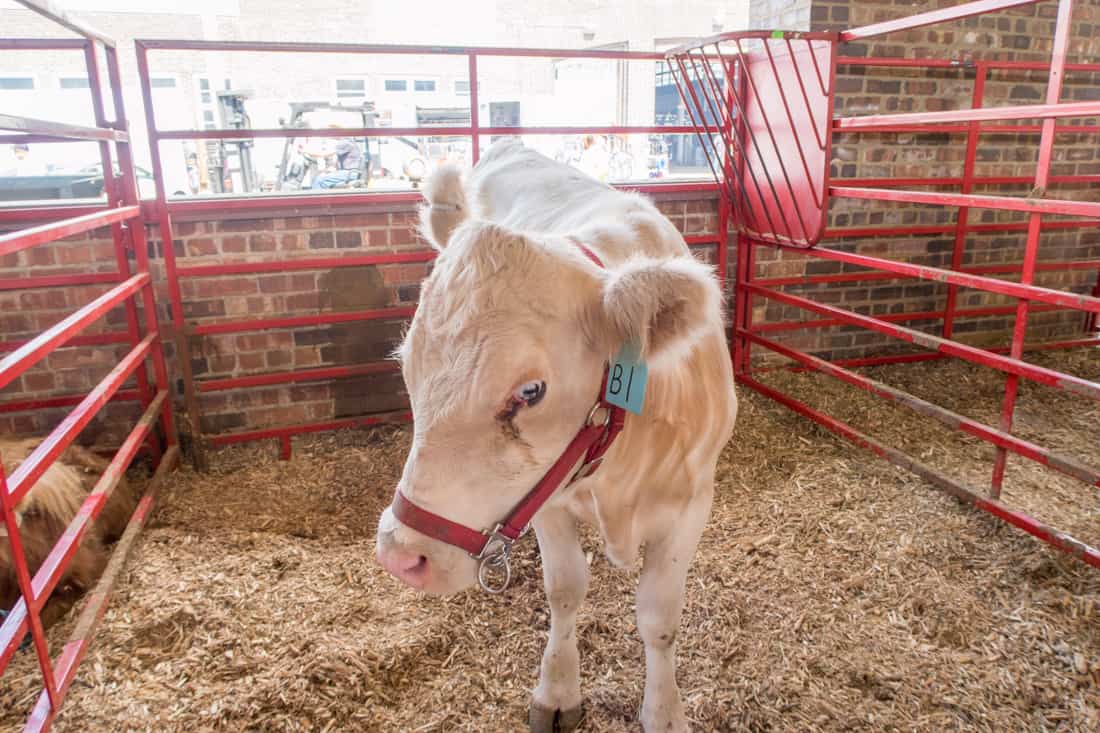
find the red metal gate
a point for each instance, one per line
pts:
(769, 145)
(123, 215)
(165, 209)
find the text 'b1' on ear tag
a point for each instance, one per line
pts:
(626, 379)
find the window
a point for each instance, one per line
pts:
(208, 116)
(396, 85)
(462, 86)
(351, 88)
(162, 83)
(424, 85)
(74, 82)
(204, 91)
(16, 82)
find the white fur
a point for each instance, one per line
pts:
(511, 299)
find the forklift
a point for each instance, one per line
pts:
(298, 167)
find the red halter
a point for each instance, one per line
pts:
(493, 547)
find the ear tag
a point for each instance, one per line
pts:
(626, 379)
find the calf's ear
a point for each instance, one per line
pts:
(664, 306)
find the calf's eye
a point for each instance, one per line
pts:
(530, 393)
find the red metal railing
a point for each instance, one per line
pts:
(774, 121)
(122, 214)
(163, 211)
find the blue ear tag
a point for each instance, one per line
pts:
(626, 379)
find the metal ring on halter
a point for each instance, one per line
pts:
(592, 413)
(492, 563)
(495, 555)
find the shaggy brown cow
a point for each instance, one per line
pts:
(45, 512)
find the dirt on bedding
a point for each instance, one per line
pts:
(831, 592)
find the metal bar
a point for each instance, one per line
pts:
(959, 247)
(1012, 112)
(302, 375)
(318, 319)
(910, 358)
(932, 17)
(857, 232)
(15, 211)
(1006, 203)
(140, 245)
(475, 152)
(1062, 32)
(304, 263)
(957, 181)
(935, 315)
(55, 281)
(39, 403)
(110, 337)
(159, 44)
(57, 13)
(26, 238)
(313, 204)
(961, 128)
(96, 604)
(429, 131)
(115, 191)
(164, 224)
(31, 469)
(1032, 526)
(31, 352)
(351, 422)
(934, 63)
(42, 44)
(34, 126)
(1040, 375)
(953, 420)
(15, 625)
(873, 276)
(993, 285)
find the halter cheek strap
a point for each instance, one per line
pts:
(492, 548)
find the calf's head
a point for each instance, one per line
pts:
(503, 362)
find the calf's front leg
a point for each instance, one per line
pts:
(660, 602)
(556, 707)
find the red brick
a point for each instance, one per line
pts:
(251, 362)
(262, 243)
(403, 274)
(38, 381)
(233, 244)
(246, 225)
(200, 247)
(362, 220)
(76, 255)
(377, 237)
(402, 235)
(224, 286)
(273, 283)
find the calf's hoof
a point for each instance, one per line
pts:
(548, 720)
